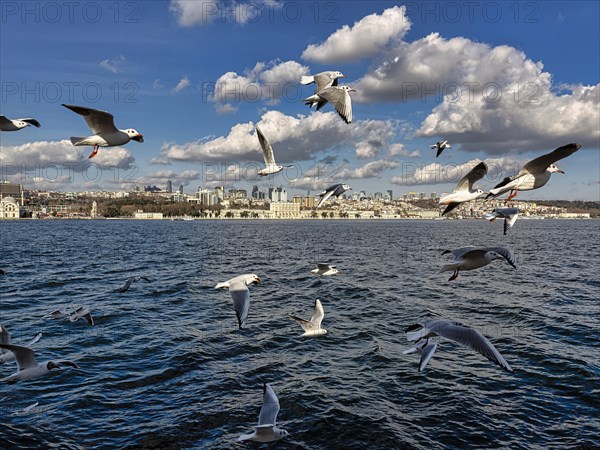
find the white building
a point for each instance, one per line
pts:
(141, 215)
(9, 208)
(284, 210)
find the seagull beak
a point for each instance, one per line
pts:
(561, 171)
(352, 90)
(138, 138)
(257, 280)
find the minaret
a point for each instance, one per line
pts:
(94, 212)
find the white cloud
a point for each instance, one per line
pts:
(184, 83)
(365, 38)
(114, 65)
(293, 138)
(370, 170)
(266, 81)
(225, 108)
(400, 150)
(201, 12)
(159, 161)
(161, 177)
(156, 84)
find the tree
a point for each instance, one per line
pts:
(324, 214)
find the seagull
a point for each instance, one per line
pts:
(29, 368)
(338, 96)
(324, 269)
(82, 313)
(508, 214)
(59, 314)
(441, 146)
(323, 80)
(469, 258)
(271, 167)
(535, 174)
(266, 431)
(7, 124)
(238, 288)
(312, 327)
(336, 190)
(5, 355)
(103, 126)
(454, 331)
(129, 282)
(463, 192)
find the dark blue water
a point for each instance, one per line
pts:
(166, 367)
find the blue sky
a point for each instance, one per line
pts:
(195, 77)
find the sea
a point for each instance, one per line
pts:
(165, 365)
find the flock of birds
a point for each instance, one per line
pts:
(533, 175)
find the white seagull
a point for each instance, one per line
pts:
(59, 313)
(7, 124)
(129, 282)
(464, 192)
(325, 269)
(454, 331)
(312, 327)
(82, 313)
(535, 174)
(103, 126)
(29, 368)
(469, 258)
(338, 96)
(6, 355)
(323, 80)
(271, 166)
(508, 214)
(336, 190)
(441, 146)
(238, 288)
(266, 431)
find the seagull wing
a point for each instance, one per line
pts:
(426, 354)
(505, 253)
(4, 120)
(4, 335)
(99, 121)
(66, 362)
(25, 356)
(241, 300)
(475, 174)
(341, 101)
(318, 314)
(450, 207)
(266, 147)
(323, 81)
(473, 339)
(323, 266)
(457, 253)
(31, 121)
(306, 325)
(540, 164)
(36, 338)
(270, 407)
(325, 195)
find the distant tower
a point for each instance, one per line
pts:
(390, 194)
(94, 212)
(181, 188)
(254, 191)
(169, 186)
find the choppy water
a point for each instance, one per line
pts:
(166, 367)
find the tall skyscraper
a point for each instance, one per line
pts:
(254, 191)
(389, 192)
(181, 188)
(169, 186)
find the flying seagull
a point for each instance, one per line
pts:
(323, 80)
(336, 190)
(464, 192)
(59, 313)
(129, 282)
(338, 96)
(6, 355)
(29, 368)
(238, 288)
(508, 214)
(469, 258)
(82, 313)
(312, 327)
(7, 124)
(441, 146)
(266, 431)
(103, 126)
(325, 269)
(535, 174)
(271, 166)
(454, 331)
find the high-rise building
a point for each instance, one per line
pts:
(254, 191)
(378, 196)
(181, 188)
(279, 195)
(169, 186)
(433, 196)
(390, 194)
(220, 191)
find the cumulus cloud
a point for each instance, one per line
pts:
(183, 84)
(493, 99)
(400, 150)
(114, 65)
(365, 38)
(370, 170)
(293, 138)
(161, 177)
(266, 81)
(225, 108)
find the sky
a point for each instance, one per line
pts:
(503, 82)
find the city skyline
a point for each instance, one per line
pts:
(198, 119)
